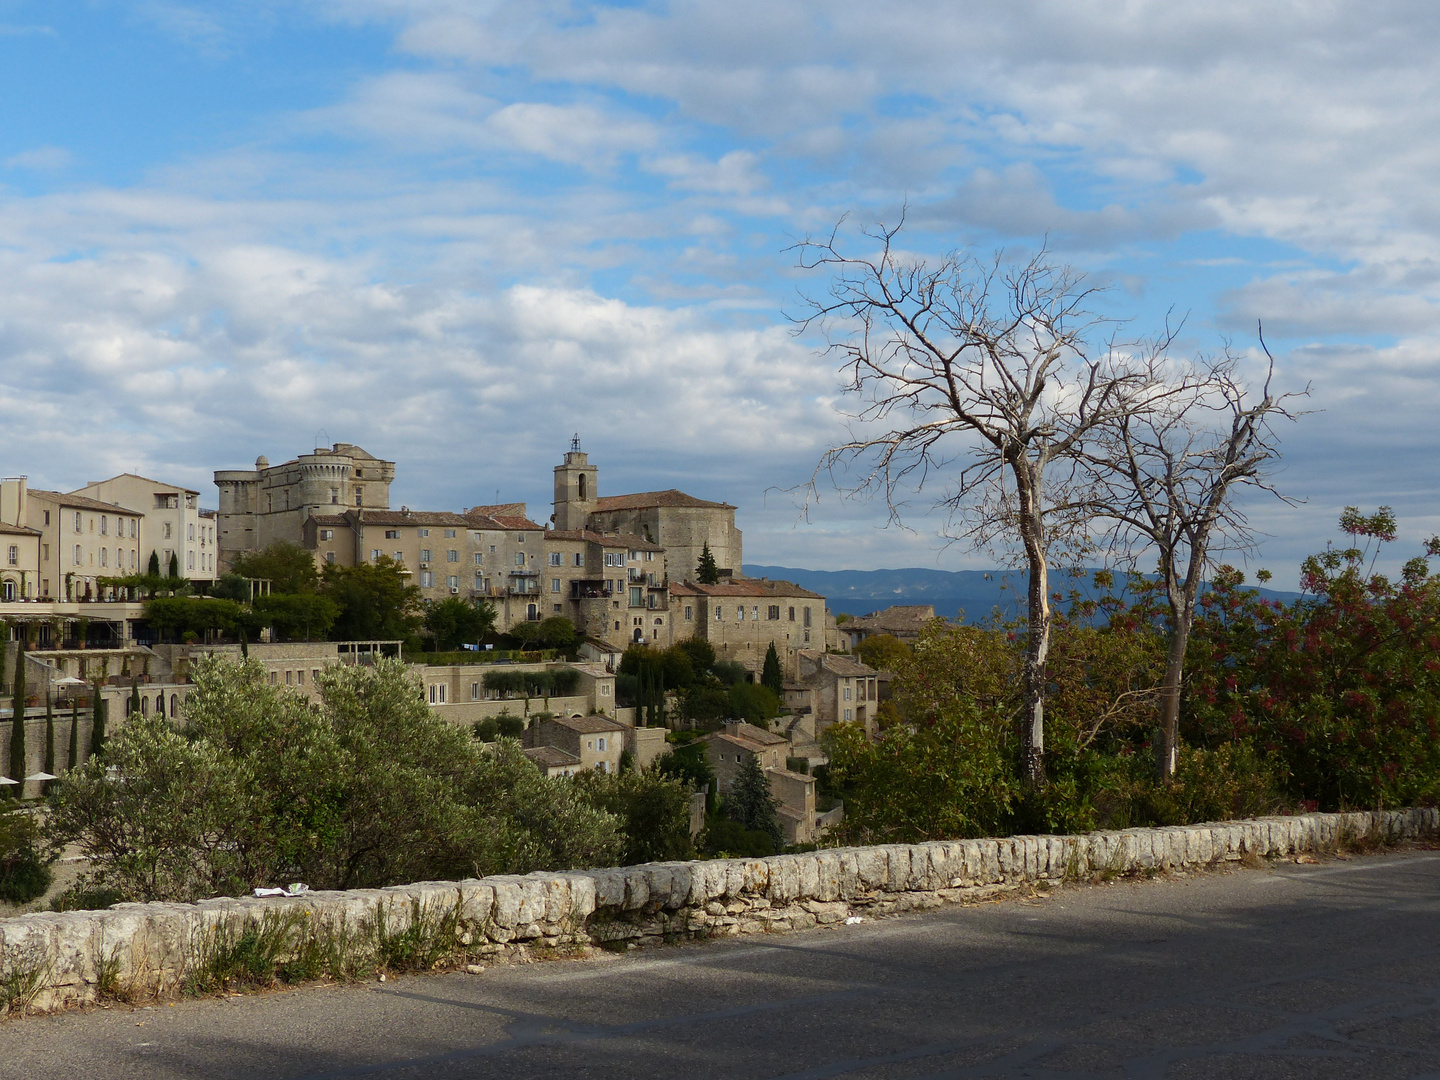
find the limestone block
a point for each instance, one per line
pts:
(872, 868)
(477, 905)
(609, 888)
(829, 871)
(734, 877)
(826, 913)
(807, 876)
(637, 889)
(784, 879)
(756, 875)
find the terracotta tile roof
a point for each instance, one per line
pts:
(413, 517)
(588, 725)
(804, 778)
(148, 480)
(757, 587)
(478, 519)
(550, 756)
(330, 519)
(18, 530)
(906, 618)
(614, 540)
(753, 733)
(844, 665)
(80, 502)
(646, 499)
(507, 509)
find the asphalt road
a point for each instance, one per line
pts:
(1318, 971)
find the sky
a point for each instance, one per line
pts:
(459, 232)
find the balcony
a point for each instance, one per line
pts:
(520, 573)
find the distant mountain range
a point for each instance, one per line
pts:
(975, 592)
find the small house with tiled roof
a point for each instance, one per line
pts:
(597, 741)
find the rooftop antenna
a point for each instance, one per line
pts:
(575, 442)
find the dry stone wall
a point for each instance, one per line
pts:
(52, 960)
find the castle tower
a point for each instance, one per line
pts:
(575, 489)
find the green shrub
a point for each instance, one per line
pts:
(24, 868)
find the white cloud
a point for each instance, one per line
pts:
(41, 159)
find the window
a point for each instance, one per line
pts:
(400, 556)
(359, 496)
(78, 559)
(689, 613)
(104, 525)
(47, 517)
(105, 557)
(740, 613)
(492, 549)
(479, 559)
(849, 714)
(167, 530)
(424, 532)
(600, 743)
(289, 675)
(807, 620)
(474, 691)
(334, 496)
(556, 608)
(609, 559)
(392, 534)
(449, 534)
(774, 613)
(14, 555)
(314, 675)
(437, 693)
(44, 552)
(717, 612)
(300, 677)
(424, 555)
(272, 678)
(375, 554)
(452, 555)
(132, 526)
(556, 559)
(554, 584)
(329, 556)
(327, 534)
(847, 693)
(649, 556)
(453, 581)
(634, 556)
(190, 560)
(191, 532)
(579, 558)
(519, 558)
(77, 521)
(132, 559)
(755, 613)
(427, 579)
(520, 539)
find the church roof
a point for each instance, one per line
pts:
(647, 499)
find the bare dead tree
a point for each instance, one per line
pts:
(1166, 476)
(991, 363)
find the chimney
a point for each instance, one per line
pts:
(13, 498)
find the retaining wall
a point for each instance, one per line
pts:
(51, 960)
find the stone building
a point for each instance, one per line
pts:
(830, 689)
(613, 587)
(171, 522)
(272, 502)
(596, 740)
(727, 752)
(742, 617)
(681, 524)
(902, 621)
(81, 539)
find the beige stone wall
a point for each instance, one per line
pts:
(147, 950)
(85, 542)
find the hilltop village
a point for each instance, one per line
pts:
(622, 569)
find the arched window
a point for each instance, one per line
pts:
(9, 590)
(159, 704)
(584, 487)
(144, 706)
(174, 704)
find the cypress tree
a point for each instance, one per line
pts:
(49, 765)
(97, 725)
(174, 566)
(134, 696)
(750, 803)
(771, 675)
(17, 720)
(153, 567)
(74, 753)
(4, 647)
(706, 571)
